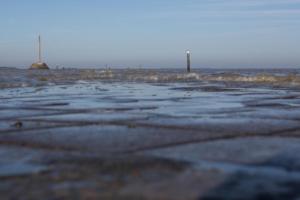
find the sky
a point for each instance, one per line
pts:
(151, 33)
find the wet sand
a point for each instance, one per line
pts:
(159, 135)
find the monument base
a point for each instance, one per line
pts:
(39, 66)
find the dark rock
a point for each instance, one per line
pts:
(18, 124)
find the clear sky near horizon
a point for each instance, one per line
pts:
(151, 33)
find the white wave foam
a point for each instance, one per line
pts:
(21, 79)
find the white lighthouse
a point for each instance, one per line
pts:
(188, 59)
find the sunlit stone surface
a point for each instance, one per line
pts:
(39, 66)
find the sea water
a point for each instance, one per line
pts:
(169, 97)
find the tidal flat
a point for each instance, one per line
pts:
(149, 134)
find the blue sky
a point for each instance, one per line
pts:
(151, 33)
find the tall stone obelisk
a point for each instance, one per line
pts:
(40, 64)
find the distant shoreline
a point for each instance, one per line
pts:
(173, 68)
